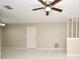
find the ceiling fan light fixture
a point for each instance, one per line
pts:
(48, 0)
(44, 0)
(51, 0)
(3, 24)
(48, 6)
(48, 9)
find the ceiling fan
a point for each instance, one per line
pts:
(48, 6)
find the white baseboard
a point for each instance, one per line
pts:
(72, 54)
(34, 48)
(50, 49)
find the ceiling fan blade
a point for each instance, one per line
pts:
(38, 8)
(43, 2)
(56, 9)
(54, 2)
(47, 13)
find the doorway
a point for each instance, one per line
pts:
(31, 33)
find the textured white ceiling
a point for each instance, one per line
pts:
(22, 11)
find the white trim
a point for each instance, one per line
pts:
(76, 27)
(72, 27)
(34, 48)
(50, 49)
(67, 27)
(72, 54)
(73, 38)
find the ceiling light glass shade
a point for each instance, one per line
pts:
(51, 0)
(3, 24)
(48, 9)
(48, 0)
(44, 0)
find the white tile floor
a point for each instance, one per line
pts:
(35, 54)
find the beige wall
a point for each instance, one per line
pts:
(49, 34)
(14, 35)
